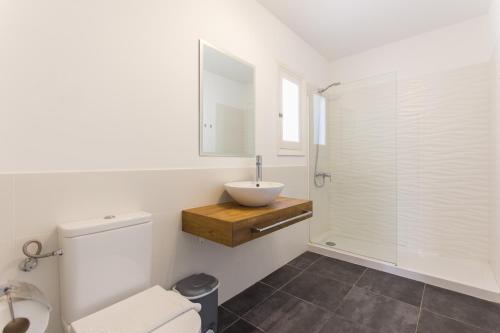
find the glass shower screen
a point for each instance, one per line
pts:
(353, 139)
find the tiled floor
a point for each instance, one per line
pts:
(317, 294)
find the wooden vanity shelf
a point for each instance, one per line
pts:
(232, 224)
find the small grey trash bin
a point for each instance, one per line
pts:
(202, 289)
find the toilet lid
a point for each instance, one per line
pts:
(188, 322)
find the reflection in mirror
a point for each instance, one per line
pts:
(227, 104)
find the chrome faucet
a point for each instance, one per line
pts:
(258, 172)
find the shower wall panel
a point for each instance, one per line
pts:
(415, 173)
(443, 162)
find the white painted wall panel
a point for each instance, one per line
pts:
(39, 202)
(111, 85)
(106, 85)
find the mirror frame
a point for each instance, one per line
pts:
(202, 44)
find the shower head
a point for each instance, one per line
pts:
(334, 84)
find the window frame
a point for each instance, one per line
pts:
(291, 147)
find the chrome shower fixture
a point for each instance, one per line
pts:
(334, 84)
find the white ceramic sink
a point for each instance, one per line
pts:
(250, 194)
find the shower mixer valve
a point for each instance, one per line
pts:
(324, 175)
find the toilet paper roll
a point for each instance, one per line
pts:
(37, 313)
(28, 302)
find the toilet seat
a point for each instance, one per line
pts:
(152, 310)
(188, 322)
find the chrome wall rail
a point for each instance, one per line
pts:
(277, 224)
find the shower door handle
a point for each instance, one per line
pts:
(304, 215)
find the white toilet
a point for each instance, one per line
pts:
(106, 280)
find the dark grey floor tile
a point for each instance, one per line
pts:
(463, 308)
(225, 319)
(304, 260)
(378, 312)
(433, 323)
(248, 298)
(405, 290)
(318, 290)
(283, 313)
(337, 269)
(342, 325)
(281, 276)
(242, 326)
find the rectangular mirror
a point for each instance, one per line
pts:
(227, 104)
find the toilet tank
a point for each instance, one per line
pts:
(105, 260)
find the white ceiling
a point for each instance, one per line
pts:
(338, 28)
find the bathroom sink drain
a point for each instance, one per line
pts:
(331, 243)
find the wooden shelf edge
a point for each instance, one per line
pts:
(231, 224)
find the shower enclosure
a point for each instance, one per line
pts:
(353, 161)
(399, 176)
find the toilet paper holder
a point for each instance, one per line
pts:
(31, 262)
(24, 291)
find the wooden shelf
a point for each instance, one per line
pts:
(232, 224)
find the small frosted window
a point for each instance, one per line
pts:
(319, 105)
(290, 106)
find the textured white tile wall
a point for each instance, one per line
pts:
(494, 20)
(444, 162)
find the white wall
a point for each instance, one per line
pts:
(90, 86)
(443, 130)
(32, 205)
(362, 155)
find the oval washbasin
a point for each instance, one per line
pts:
(248, 193)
